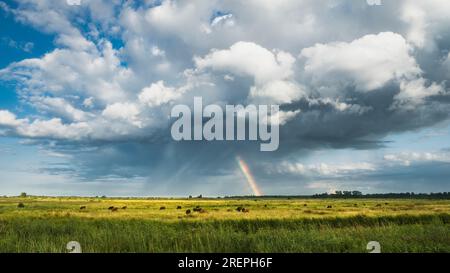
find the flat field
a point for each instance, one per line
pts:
(47, 224)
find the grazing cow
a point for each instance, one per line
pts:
(188, 212)
(305, 205)
(124, 207)
(386, 204)
(239, 208)
(378, 205)
(265, 205)
(244, 210)
(329, 207)
(82, 207)
(162, 208)
(202, 211)
(197, 209)
(229, 210)
(114, 209)
(110, 208)
(178, 207)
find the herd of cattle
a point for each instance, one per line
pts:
(188, 211)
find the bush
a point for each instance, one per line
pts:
(20, 205)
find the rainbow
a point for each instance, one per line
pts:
(248, 175)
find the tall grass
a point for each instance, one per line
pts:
(396, 234)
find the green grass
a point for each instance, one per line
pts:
(47, 224)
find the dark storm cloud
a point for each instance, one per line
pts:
(107, 134)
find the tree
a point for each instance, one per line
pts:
(23, 194)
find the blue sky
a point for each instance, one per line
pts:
(85, 92)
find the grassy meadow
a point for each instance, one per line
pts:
(47, 224)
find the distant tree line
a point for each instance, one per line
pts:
(342, 194)
(354, 194)
(407, 195)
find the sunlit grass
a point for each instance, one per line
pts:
(271, 225)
